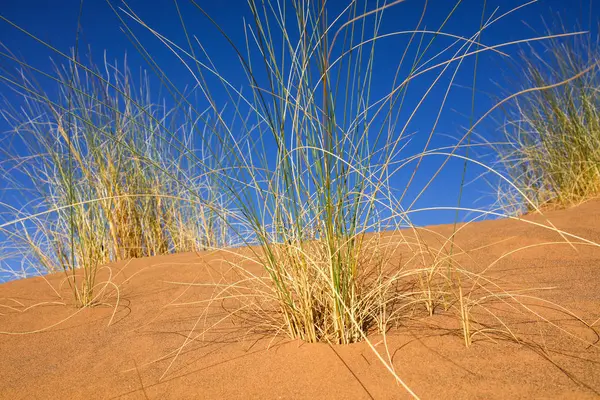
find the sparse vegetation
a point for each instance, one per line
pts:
(301, 167)
(326, 186)
(103, 181)
(552, 149)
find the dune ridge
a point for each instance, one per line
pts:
(133, 358)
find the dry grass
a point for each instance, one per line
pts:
(552, 141)
(103, 182)
(307, 160)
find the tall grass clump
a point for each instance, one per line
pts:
(320, 145)
(552, 139)
(312, 205)
(92, 166)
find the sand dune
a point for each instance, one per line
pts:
(77, 355)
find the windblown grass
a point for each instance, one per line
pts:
(552, 149)
(104, 184)
(318, 186)
(311, 205)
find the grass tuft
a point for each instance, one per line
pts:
(552, 149)
(103, 182)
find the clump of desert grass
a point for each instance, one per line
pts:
(97, 179)
(312, 203)
(551, 146)
(318, 154)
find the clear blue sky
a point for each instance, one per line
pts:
(55, 22)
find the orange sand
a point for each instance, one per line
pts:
(83, 358)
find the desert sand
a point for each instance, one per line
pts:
(76, 355)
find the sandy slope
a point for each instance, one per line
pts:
(83, 358)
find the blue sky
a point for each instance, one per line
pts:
(56, 23)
